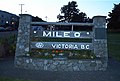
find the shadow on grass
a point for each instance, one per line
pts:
(114, 45)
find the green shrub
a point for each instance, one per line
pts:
(7, 46)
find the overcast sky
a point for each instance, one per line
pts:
(51, 8)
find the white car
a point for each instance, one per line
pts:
(2, 29)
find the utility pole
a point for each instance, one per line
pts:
(21, 7)
(46, 17)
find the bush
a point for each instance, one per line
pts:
(2, 51)
(7, 46)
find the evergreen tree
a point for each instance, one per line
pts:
(70, 13)
(114, 20)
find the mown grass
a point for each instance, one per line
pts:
(114, 45)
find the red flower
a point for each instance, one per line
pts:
(53, 51)
(61, 50)
(56, 51)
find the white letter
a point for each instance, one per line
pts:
(70, 46)
(46, 35)
(66, 34)
(66, 46)
(63, 45)
(53, 34)
(75, 47)
(87, 46)
(77, 34)
(57, 35)
(58, 46)
(53, 45)
(82, 47)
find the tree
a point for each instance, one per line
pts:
(37, 19)
(114, 20)
(70, 13)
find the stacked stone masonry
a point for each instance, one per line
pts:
(60, 65)
(23, 48)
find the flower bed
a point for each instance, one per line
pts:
(70, 54)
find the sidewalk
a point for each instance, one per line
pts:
(7, 69)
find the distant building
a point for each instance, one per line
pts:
(8, 19)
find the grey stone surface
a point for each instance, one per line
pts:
(23, 60)
(100, 33)
(60, 65)
(23, 35)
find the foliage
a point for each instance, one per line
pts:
(61, 39)
(70, 54)
(114, 20)
(114, 45)
(70, 13)
(37, 19)
(7, 46)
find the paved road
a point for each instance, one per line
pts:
(7, 69)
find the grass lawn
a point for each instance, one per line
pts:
(114, 45)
